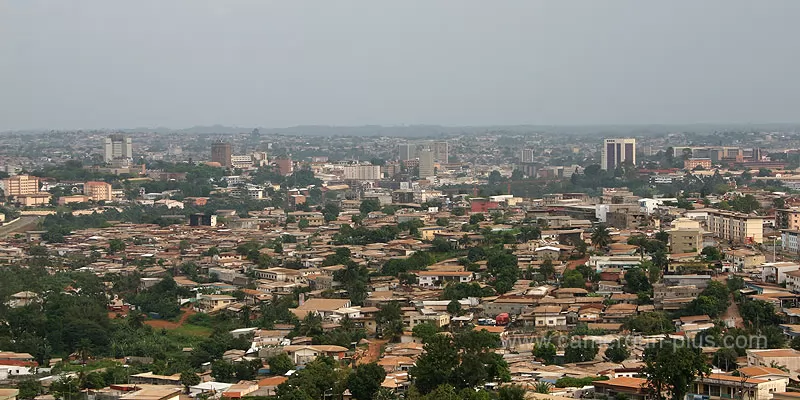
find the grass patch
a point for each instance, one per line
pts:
(191, 330)
(90, 366)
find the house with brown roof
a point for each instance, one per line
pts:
(719, 386)
(631, 388)
(617, 313)
(546, 317)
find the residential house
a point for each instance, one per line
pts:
(209, 303)
(303, 354)
(719, 386)
(437, 279)
(622, 387)
(788, 358)
(547, 317)
(776, 272)
(744, 259)
(617, 313)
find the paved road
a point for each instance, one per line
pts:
(25, 223)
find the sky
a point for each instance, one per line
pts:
(181, 63)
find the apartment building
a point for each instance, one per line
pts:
(19, 185)
(362, 172)
(736, 227)
(98, 191)
(686, 240)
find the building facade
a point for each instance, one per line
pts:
(362, 172)
(19, 185)
(426, 164)
(98, 191)
(736, 227)
(617, 152)
(221, 153)
(117, 147)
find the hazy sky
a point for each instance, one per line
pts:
(101, 63)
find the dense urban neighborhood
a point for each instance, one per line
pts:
(508, 264)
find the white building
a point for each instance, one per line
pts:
(117, 147)
(362, 172)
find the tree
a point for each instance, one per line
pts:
(436, 365)
(390, 320)
(29, 388)
(547, 269)
(545, 351)
(636, 281)
(573, 279)
(115, 246)
(366, 381)
(454, 307)
(601, 236)
(303, 223)
(757, 313)
(542, 387)
(474, 219)
(280, 364)
(672, 367)
(651, 323)
(222, 371)
(66, 388)
(711, 253)
(580, 351)
(189, 378)
(725, 359)
(369, 205)
(513, 392)
(662, 236)
(425, 331)
(618, 351)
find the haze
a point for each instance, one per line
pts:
(101, 64)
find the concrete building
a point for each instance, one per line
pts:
(20, 185)
(617, 152)
(441, 151)
(686, 239)
(789, 240)
(408, 151)
(719, 386)
(788, 218)
(221, 153)
(426, 161)
(692, 163)
(98, 191)
(736, 227)
(775, 272)
(117, 147)
(526, 156)
(362, 172)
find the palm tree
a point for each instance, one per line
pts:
(601, 237)
(84, 350)
(542, 387)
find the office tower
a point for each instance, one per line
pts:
(526, 156)
(408, 151)
(221, 153)
(117, 147)
(617, 152)
(426, 164)
(440, 152)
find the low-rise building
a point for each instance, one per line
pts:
(438, 279)
(744, 259)
(776, 272)
(208, 303)
(736, 227)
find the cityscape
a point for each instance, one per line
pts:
(438, 200)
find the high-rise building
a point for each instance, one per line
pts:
(20, 185)
(441, 151)
(526, 156)
(117, 147)
(617, 152)
(362, 172)
(408, 151)
(221, 153)
(426, 164)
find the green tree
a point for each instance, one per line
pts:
(711, 253)
(366, 380)
(454, 307)
(580, 351)
(601, 236)
(369, 205)
(672, 367)
(725, 359)
(189, 378)
(547, 269)
(115, 246)
(29, 388)
(650, 323)
(512, 392)
(436, 365)
(280, 364)
(425, 331)
(542, 387)
(618, 351)
(573, 279)
(545, 351)
(474, 219)
(222, 371)
(636, 281)
(442, 221)
(303, 223)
